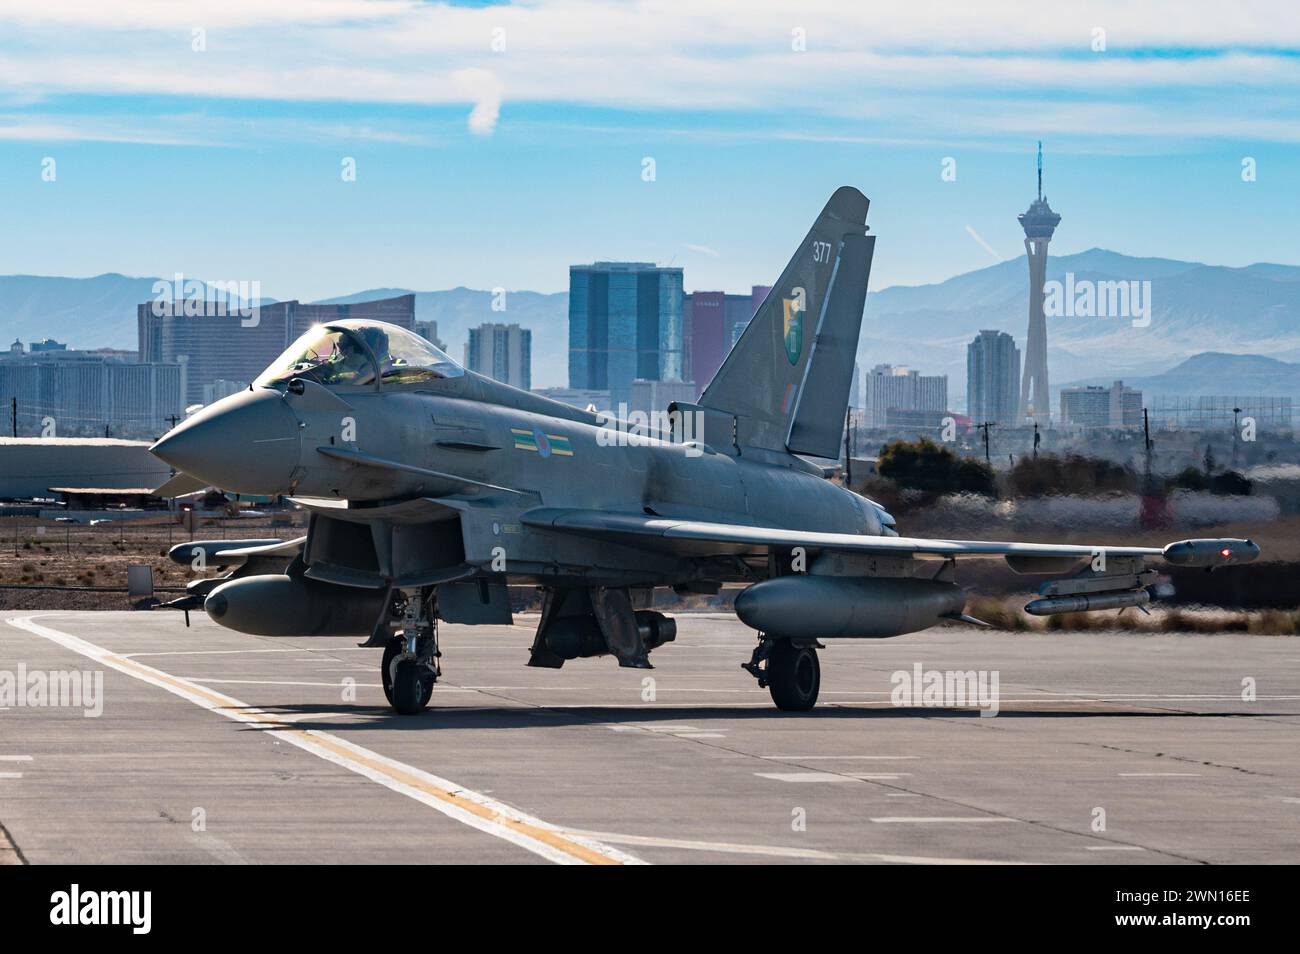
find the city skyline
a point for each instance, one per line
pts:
(478, 166)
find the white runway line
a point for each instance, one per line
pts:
(778, 851)
(681, 731)
(805, 777)
(1114, 848)
(701, 735)
(810, 758)
(15, 758)
(209, 652)
(1160, 775)
(11, 774)
(338, 684)
(203, 681)
(449, 798)
(941, 819)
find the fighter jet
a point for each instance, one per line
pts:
(431, 488)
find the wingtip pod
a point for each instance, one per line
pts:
(1211, 552)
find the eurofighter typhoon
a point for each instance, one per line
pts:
(431, 489)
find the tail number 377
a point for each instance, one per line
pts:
(821, 251)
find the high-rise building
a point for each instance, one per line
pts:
(886, 388)
(1115, 406)
(992, 373)
(79, 393)
(653, 397)
(502, 352)
(428, 330)
(713, 322)
(221, 388)
(235, 346)
(625, 323)
(1039, 222)
(707, 334)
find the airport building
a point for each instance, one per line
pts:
(34, 465)
(1115, 406)
(502, 352)
(993, 379)
(886, 388)
(55, 392)
(222, 343)
(625, 323)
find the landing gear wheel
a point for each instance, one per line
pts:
(412, 687)
(408, 683)
(793, 676)
(392, 649)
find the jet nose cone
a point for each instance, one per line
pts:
(246, 443)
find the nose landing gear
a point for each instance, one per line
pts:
(789, 670)
(410, 667)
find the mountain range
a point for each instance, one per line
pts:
(1195, 308)
(1212, 372)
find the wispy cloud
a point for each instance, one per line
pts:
(703, 250)
(983, 244)
(931, 70)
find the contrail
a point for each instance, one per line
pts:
(983, 244)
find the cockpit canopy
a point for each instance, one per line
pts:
(360, 354)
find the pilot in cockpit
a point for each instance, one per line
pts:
(360, 353)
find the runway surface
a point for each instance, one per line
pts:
(215, 747)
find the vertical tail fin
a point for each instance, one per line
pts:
(787, 380)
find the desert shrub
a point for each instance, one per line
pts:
(1072, 474)
(933, 469)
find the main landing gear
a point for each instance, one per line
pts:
(410, 664)
(789, 670)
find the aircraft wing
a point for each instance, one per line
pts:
(700, 538)
(180, 484)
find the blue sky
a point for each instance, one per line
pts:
(499, 167)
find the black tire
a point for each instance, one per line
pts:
(794, 676)
(392, 650)
(412, 687)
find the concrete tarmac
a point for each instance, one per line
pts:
(216, 747)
